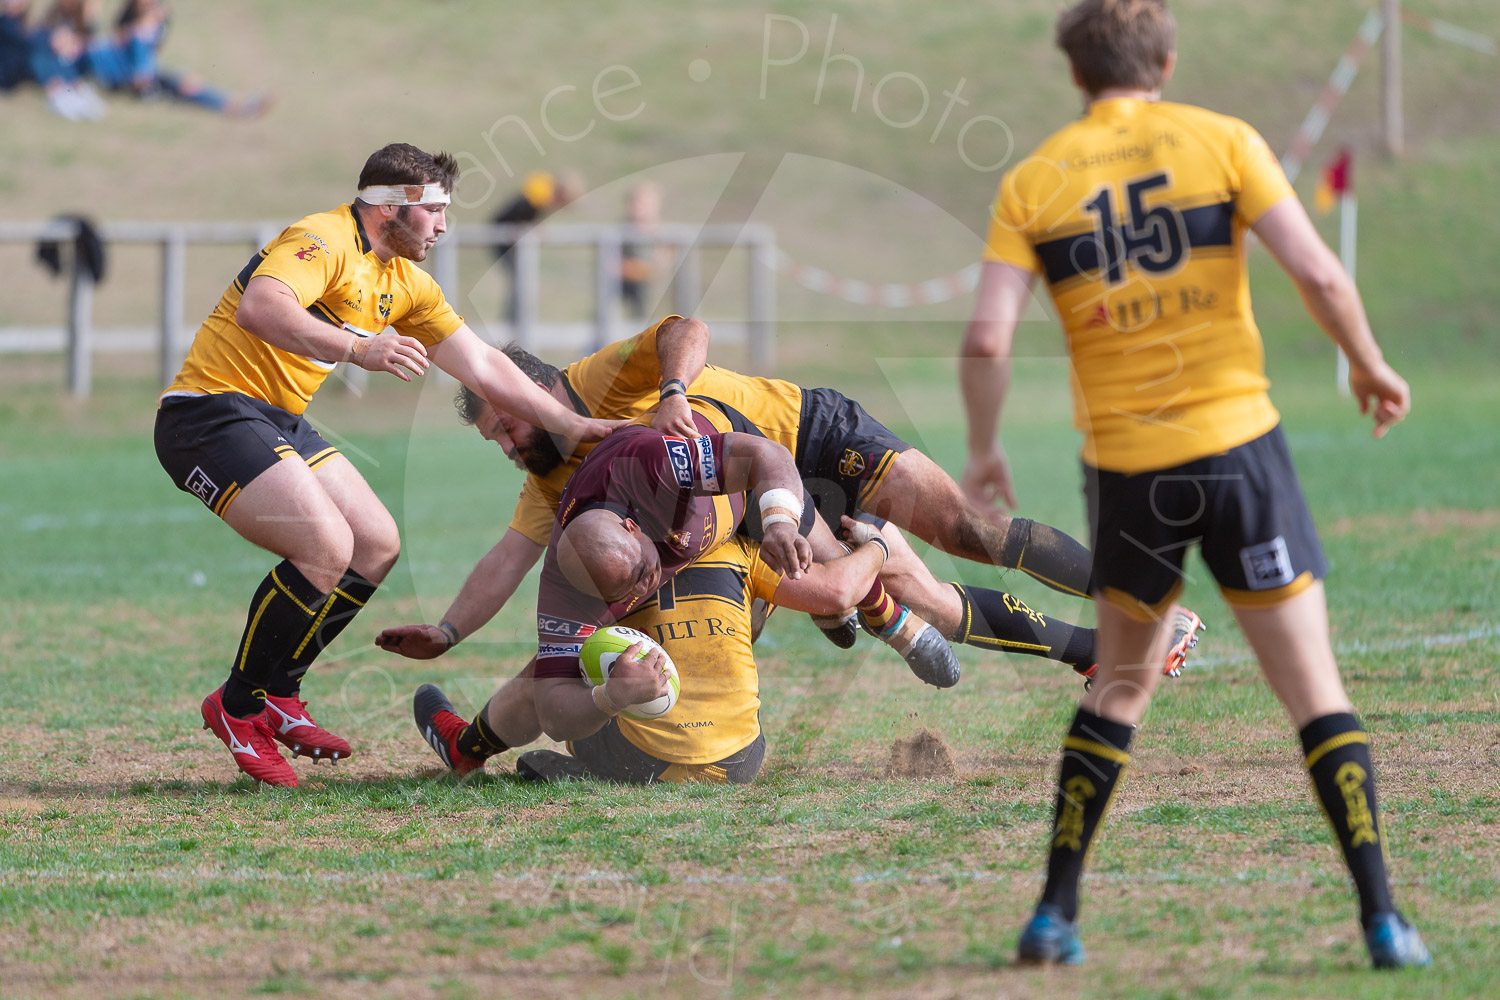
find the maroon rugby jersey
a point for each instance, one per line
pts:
(671, 487)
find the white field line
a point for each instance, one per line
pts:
(1438, 641)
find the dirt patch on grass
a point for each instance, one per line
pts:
(1417, 524)
(923, 756)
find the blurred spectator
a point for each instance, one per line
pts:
(124, 60)
(15, 59)
(56, 49)
(541, 195)
(639, 257)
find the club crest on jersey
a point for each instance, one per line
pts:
(200, 486)
(852, 463)
(384, 304)
(708, 470)
(681, 459)
(680, 540)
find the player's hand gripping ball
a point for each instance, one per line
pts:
(603, 648)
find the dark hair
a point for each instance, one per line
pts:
(532, 366)
(467, 402)
(1117, 43)
(403, 163)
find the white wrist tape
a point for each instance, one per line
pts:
(785, 499)
(778, 518)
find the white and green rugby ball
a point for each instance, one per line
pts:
(599, 653)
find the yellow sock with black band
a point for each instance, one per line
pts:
(281, 613)
(1336, 752)
(1094, 753)
(347, 600)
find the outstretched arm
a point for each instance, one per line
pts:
(490, 584)
(490, 373)
(681, 351)
(1330, 295)
(984, 377)
(269, 309)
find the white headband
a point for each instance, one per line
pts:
(404, 194)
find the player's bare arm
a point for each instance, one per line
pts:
(568, 709)
(758, 464)
(681, 351)
(270, 310)
(828, 588)
(1332, 299)
(984, 378)
(492, 375)
(490, 585)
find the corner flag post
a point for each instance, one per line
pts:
(1338, 181)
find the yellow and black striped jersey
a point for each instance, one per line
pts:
(1135, 215)
(620, 382)
(327, 260)
(701, 616)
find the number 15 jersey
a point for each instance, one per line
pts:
(1135, 215)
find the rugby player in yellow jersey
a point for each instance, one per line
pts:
(702, 618)
(230, 430)
(1135, 216)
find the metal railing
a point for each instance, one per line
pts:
(79, 338)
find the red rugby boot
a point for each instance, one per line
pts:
(291, 724)
(249, 742)
(440, 726)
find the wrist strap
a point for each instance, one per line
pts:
(673, 387)
(448, 629)
(603, 702)
(883, 547)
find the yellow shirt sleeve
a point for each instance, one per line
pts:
(1262, 182)
(430, 318)
(1007, 241)
(307, 262)
(536, 510)
(763, 579)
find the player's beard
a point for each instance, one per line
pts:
(397, 235)
(539, 452)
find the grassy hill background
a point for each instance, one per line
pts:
(796, 142)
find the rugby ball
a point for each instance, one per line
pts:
(603, 648)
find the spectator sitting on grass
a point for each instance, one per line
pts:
(125, 61)
(55, 50)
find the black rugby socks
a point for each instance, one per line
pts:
(1337, 756)
(1094, 752)
(281, 612)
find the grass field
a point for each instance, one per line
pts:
(133, 862)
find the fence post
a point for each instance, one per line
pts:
(607, 265)
(688, 292)
(80, 327)
(173, 279)
(527, 292)
(762, 305)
